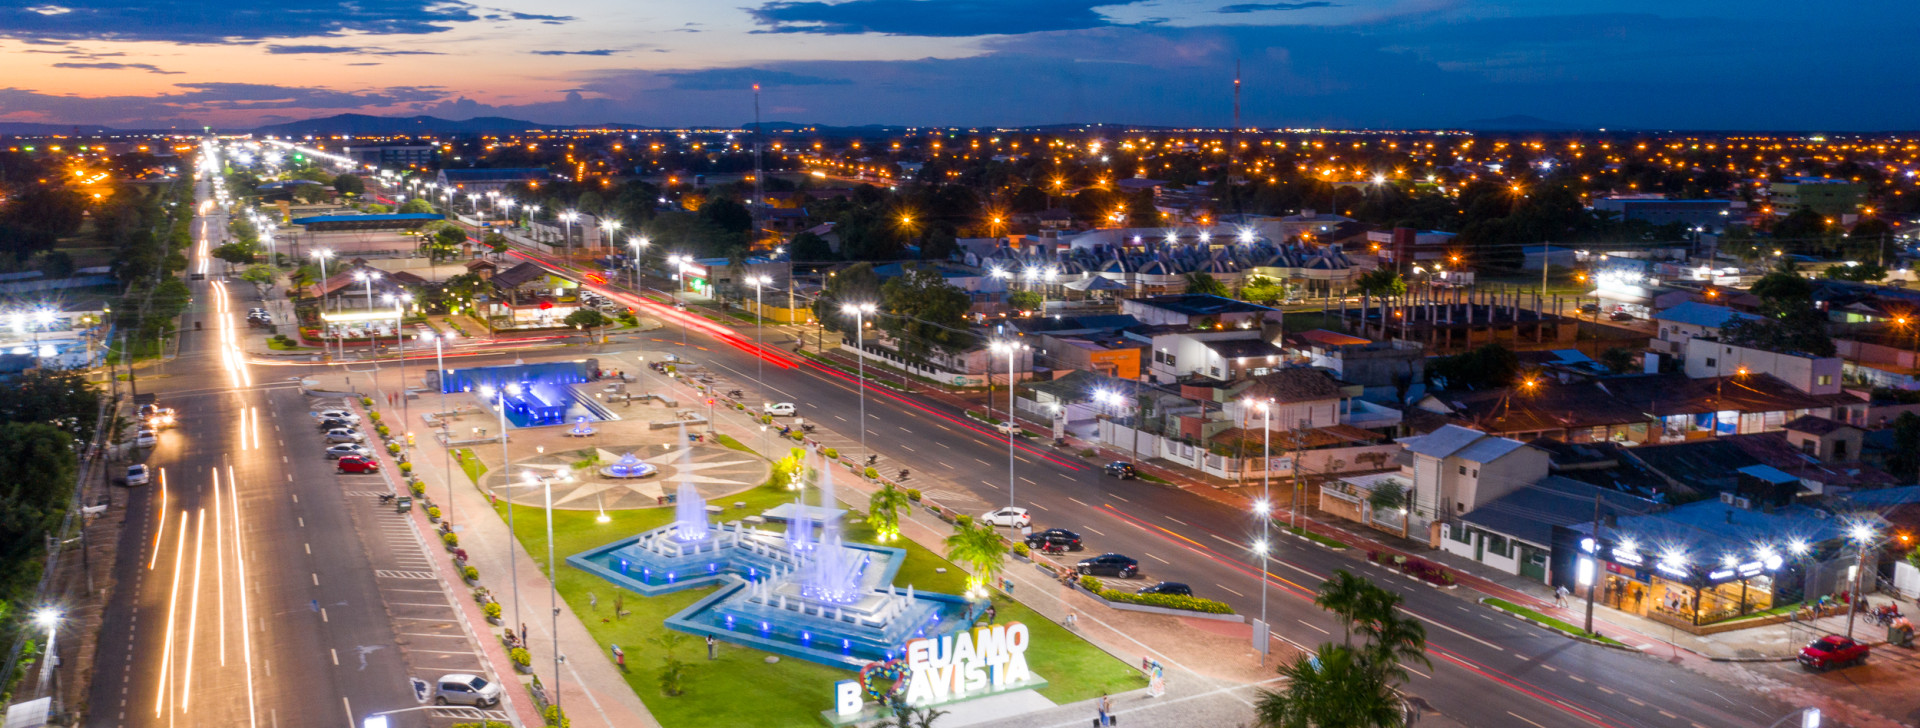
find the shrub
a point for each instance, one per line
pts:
(556, 718)
(871, 473)
(382, 429)
(1168, 601)
(393, 448)
(366, 401)
(766, 419)
(1087, 453)
(471, 574)
(1090, 584)
(913, 494)
(373, 415)
(491, 609)
(519, 655)
(406, 468)
(417, 487)
(434, 512)
(963, 521)
(1020, 547)
(450, 539)
(831, 453)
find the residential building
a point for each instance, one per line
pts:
(1831, 197)
(1445, 473)
(1195, 310)
(1514, 532)
(1382, 367)
(1692, 320)
(1810, 374)
(1180, 354)
(528, 296)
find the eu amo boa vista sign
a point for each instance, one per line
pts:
(944, 669)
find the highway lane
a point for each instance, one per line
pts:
(245, 597)
(1488, 669)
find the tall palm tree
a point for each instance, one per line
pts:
(1331, 688)
(883, 511)
(1393, 640)
(1343, 595)
(980, 548)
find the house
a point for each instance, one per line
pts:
(1514, 532)
(1806, 373)
(1692, 320)
(1641, 408)
(528, 296)
(1446, 473)
(1199, 310)
(1382, 367)
(1295, 398)
(1223, 356)
(1824, 438)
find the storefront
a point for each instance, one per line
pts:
(1669, 588)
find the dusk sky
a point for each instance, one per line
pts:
(1765, 64)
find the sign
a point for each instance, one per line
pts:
(962, 665)
(847, 698)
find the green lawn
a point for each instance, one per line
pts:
(1317, 538)
(1506, 606)
(470, 463)
(790, 692)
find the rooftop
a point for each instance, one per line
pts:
(1442, 442)
(1529, 513)
(1200, 304)
(1694, 313)
(501, 174)
(389, 217)
(1294, 384)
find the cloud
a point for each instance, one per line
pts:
(597, 52)
(932, 18)
(1263, 7)
(728, 79)
(548, 19)
(216, 21)
(327, 49)
(148, 67)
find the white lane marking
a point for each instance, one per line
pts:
(1161, 560)
(1176, 520)
(1229, 591)
(1455, 631)
(1531, 723)
(1118, 498)
(1096, 533)
(1077, 500)
(1311, 626)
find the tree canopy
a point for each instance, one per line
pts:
(928, 314)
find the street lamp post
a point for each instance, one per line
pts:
(607, 229)
(859, 312)
(49, 618)
(440, 380)
(553, 589)
(568, 217)
(1860, 534)
(639, 246)
(1264, 507)
(506, 469)
(1012, 350)
(759, 312)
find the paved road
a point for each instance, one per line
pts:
(247, 594)
(1487, 669)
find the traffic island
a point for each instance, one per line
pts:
(1544, 621)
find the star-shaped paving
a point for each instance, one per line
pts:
(715, 471)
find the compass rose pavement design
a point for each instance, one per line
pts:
(716, 471)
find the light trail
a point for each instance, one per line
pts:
(219, 566)
(173, 601)
(193, 612)
(240, 567)
(161, 531)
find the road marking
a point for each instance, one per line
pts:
(903, 429)
(1161, 560)
(1455, 631)
(424, 619)
(309, 548)
(1176, 520)
(1310, 626)
(838, 417)
(1550, 668)
(908, 449)
(432, 634)
(1118, 498)
(1041, 507)
(943, 463)
(983, 462)
(1531, 723)
(1576, 678)
(942, 444)
(1217, 537)
(1077, 500)
(1029, 481)
(420, 604)
(1636, 701)
(303, 521)
(391, 574)
(1416, 672)
(296, 496)
(1606, 690)
(1230, 591)
(1670, 716)
(336, 656)
(316, 580)
(323, 615)
(1096, 533)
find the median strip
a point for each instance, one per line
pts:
(1552, 624)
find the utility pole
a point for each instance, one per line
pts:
(1594, 582)
(1293, 506)
(759, 169)
(1233, 140)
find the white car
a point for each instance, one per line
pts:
(463, 689)
(136, 475)
(1013, 517)
(145, 438)
(337, 415)
(342, 434)
(1007, 428)
(780, 409)
(348, 448)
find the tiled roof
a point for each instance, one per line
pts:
(1294, 384)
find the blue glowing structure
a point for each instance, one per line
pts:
(538, 395)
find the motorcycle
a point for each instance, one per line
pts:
(386, 498)
(806, 428)
(734, 393)
(903, 474)
(1053, 549)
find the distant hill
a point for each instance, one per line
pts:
(1519, 122)
(365, 125)
(23, 128)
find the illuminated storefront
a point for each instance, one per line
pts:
(1669, 587)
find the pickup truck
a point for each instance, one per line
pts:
(1832, 651)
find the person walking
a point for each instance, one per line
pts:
(1105, 707)
(713, 648)
(1560, 596)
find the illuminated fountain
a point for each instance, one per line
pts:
(581, 428)
(801, 593)
(629, 466)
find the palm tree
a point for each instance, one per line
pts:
(911, 717)
(980, 548)
(883, 511)
(1393, 639)
(1331, 688)
(1343, 595)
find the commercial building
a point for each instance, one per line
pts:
(1196, 310)
(485, 180)
(392, 155)
(1825, 196)
(1655, 209)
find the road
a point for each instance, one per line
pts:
(246, 590)
(1487, 669)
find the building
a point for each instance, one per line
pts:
(486, 180)
(1655, 209)
(1830, 197)
(1197, 310)
(1514, 532)
(1381, 367)
(1641, 408)
(1444, 473)
(528, 296)
(1538, 255)
(392, 155)
(1691, 320)
(1706, 358)
(1180, 354)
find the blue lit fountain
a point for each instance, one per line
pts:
(801, 593)
(629, 466)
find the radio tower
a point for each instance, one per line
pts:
(1233, 140)
(759, 170)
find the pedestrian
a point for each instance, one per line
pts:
(1560, 596)
(620, 658)
(713, 648)
(593, 600)
(523, 634)
(1103, 705)
(991, 613)
(1071, 621)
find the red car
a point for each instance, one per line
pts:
(1832, 651)
(357, 464)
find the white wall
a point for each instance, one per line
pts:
(1807, 374)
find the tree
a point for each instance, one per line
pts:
(979, 547)
(1381, 283)
(1205, 284)
(349, 184)
(234, 254)
(1491, 365)
(1859, 272)
(1618, 359)
(56, 264)
(1024, 300)
(259, 275)
(588, 319)
(929, 314)
(855, 284)
(416, 206)
(883, 511)
(911, 717)
(496, 242)
(1802, 228)
(1788, 320)
(1904, 460)
(1330, 688)
(1342, 595)
(807, 246)
(39, 462)
(1261, 289)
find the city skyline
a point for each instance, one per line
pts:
(1395, 64)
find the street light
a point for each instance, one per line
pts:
(48, 618)
(322, 255)
(553, 588)
(1012, 350)
(506, 469)
(568, 217)
(639, 246)
(1264, 507)
(440, 380)
(859, 312)
(759, 362)
(607, 228)
(1860, 533)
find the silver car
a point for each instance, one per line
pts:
(463, 689)
(342, 434)
(348, 448)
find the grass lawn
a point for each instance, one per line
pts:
(790, 692)
(1507, 606)
(1317, 538)
(1309, 320)
(470, 463)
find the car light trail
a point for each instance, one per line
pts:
(219, 566)
(193, 611)
(173, 601)
(161, 531)
(240, 574)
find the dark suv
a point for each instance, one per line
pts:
(1118, 565)
(1060, 537)
(1122, 470)
(1169, 587)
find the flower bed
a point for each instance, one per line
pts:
(1420, 568)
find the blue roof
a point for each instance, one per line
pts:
(1531, 512)
(1884, 497)
(389, 217)
(1696, 313)
(1769, 474)
(1706, 530)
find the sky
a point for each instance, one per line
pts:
(1383, 64)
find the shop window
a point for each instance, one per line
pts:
(1461, 534)
(1825, 379)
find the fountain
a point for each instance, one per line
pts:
(629, 466)
(803, 593)
(581, 428)
(690, 510)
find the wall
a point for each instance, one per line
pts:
(1500, 477)
(782, 314)
(1802, 372)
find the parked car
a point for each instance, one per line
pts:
(357, 464)
(136, 475)
(780, 409)
(1060, 537)
(342, 434)
(1619, 316)
(325, 425)
(348, 448)
(337, 415)
(1589, 308)
(1169, 587)
(1833, 651)
(1122, 470)
(145, 438)
(1015, 517)
(1118, 565)
(1007, 428)
(463, 689)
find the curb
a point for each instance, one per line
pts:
(1561, 632)
(1168, 611)
(1335, 549)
